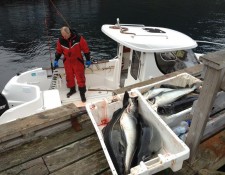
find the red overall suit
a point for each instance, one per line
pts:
(73, 59)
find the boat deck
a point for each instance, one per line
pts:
(92, 94)
(63, 141)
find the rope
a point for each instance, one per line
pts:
(60, 14)
(210, 42)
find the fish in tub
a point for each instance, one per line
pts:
(135, 141)
(169, 99)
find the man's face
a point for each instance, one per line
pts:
(65, 35)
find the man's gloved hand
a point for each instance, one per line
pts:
(88, 63)
(56, 64)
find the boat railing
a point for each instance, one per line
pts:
(151, 35)
(133, 25)
(103, 73)
(209, 42)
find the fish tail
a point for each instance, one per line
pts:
(196, 85)
(126, 99)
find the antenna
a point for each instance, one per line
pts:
(118, 24)
(118, 21)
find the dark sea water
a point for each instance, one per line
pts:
(29, 28)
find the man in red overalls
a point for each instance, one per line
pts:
(71, 45)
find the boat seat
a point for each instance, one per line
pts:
(27, 107)
(51, 99)
(165, 62)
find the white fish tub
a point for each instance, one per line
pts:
(173, 151)
(181, 80)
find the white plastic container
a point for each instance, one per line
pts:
(173, 150)
(182, 80)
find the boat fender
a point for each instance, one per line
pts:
(3, 104)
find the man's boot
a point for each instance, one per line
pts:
(82, 93)
(71, 92)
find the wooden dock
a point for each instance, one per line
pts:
(47, 143)
(63, 141)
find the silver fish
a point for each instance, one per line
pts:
(114, 135)
(170, 96)
(154, 92)
(113, 141)
(128, 123)
(177, 106)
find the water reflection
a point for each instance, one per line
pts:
(29, 29)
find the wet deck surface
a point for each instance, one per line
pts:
(48, 144)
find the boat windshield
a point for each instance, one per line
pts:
(168, 62)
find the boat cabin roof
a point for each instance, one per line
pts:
(149, 39)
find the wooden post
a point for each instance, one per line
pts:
(214, 71)
(223, 84)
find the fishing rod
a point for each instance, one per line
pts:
(46, 24)
(49, 48)
(60, 14)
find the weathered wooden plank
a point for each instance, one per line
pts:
(34, 167)
(203, 108)
(215, 60)
(210, 172)
(35, 122)
(210, 155)
(214, 125)
(71, 153)
(223, 84)
(10, 144)
(52, 129)
(91, 165)
(211, 152)
(106, 172)
(42, 146)
(194, 71)
(186, 170)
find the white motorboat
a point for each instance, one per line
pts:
(143, 53)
